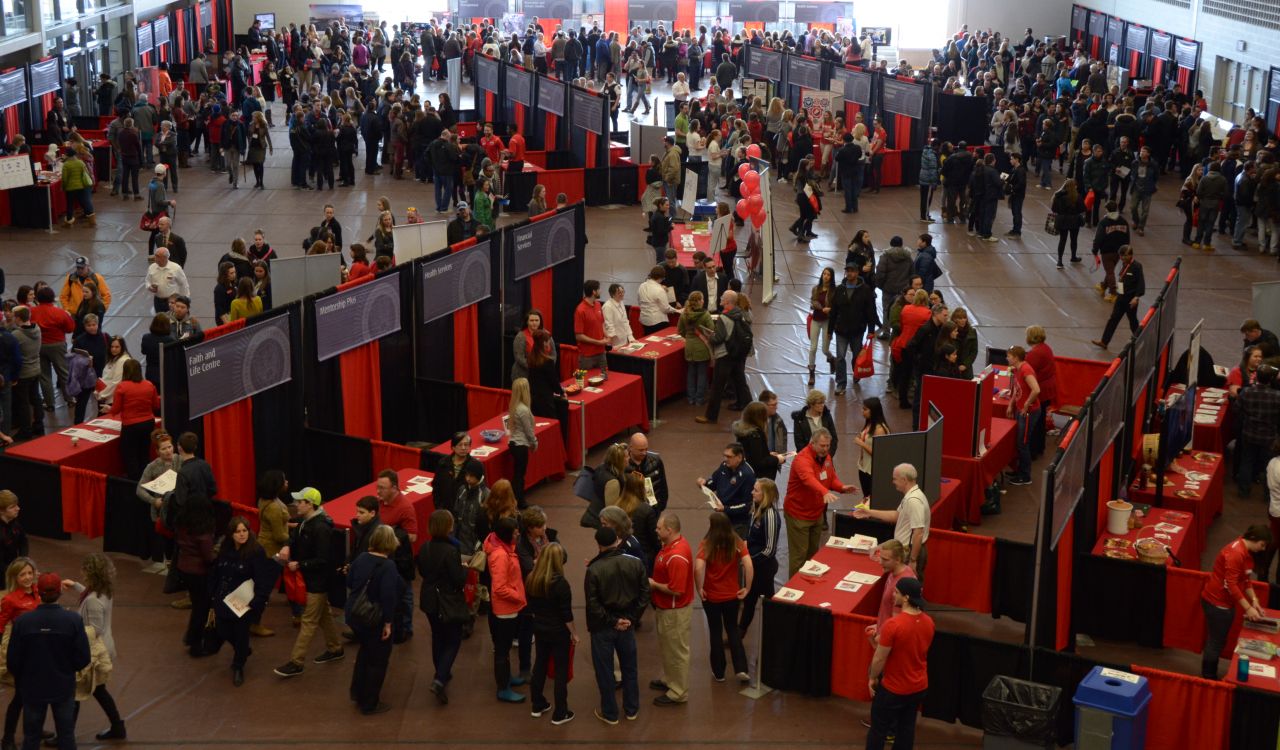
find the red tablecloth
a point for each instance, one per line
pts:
(545, 463)
(891, 168)
(596, 417)
(1204, 503)
(56, 448)
(684, 251)
(669, 364)
(1186, 547)
(822, 591)
(343, 509)
(1257, 681)
(976, 474)
(1214, 435)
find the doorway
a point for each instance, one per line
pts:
(1238, 87)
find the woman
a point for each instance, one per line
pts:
(545, 391)
(506, 600)
(538, 201)
(874, 425)
(499, 503)
(112, 371)
(90, 304)
(607, 482)
(1068, 212)
(1041, 358)
(96, 594)
(723, 575)
(521, 435)
(441, 600)
(482, 205)
(20, 583)
(450, 469)
(782, 145)
(241, 559)
(762, 545)
(913, 317)
(374, 575)
(360, 265)
(262, 283)
(551, 604)
(166, 460)
(653, 186)
(273, 512)
(383, 237)
(946, 364)
(808, 198)
(696, 326)
(258, 137)
(13, 538)
(1246, 373)
(194, 538)
(347, 142)
(751, 431)
(715, 156)
(966, 341)
(247, 304)
(861, 250)
(820, 299)
(448, 117)
(815, 414)
(522, 345)
(1188, 203)
(224, 291)
(135, 404)
(644, 520)
(659, 236)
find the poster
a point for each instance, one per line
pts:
(818, 103)
(455, 281)
(804, 73)
(13, 88)
(356, 316)
(234, 367)
(551, 96)
(540, 245)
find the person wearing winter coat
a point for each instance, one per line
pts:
(813, 416)
(893, 273)
(853, 314)
(926, 264)
(375, 575)
(241, 559)
(1095, 175)
(507, 599)
(1144, 174)
(1212, 192)
(928, 179)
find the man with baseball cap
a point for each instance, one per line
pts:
(47, 647)
(899, 675)
(309, 552)
(73, 288)
(463, 227)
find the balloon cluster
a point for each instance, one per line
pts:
(751, 205)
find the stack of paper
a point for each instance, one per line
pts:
(90, 435)
(814, 568)
(864, 544)
(788, 595)
(107, 424)
(860, 577)
(483, 451)
(163, 483)
(839, 542)
(849, 586)
(1262, 670)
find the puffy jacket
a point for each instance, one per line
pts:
(928, 167)
(893, 272)
(1213, 188)
(507, 585)
(1097, 173)
(75, 176)
(73, 290)
(81, 376)
(617, 587)
(804, 431)
(926, 266)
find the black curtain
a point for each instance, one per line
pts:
(1012, 580)
(396, 373)
(942, 702)
(442, 409)
(595, 186)
(322, 385)
(335, 463)
(963, 118)
(566, 282)
(1255, 717)
(519, 189)
(279, 413)
(490, 325)
(624, 186)
(38, 486)
(797, 654)
(1119, 600)
(980, 661)
(435, 339)
(174, 406)
(125, 528)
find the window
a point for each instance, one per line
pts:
(15, 16)
(1264, 13)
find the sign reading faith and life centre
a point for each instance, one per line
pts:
(356, 316)
(234, 367)
(551, 96)
(456, 281)
(542, 244)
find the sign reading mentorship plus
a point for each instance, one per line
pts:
(236, 366)
(543, 244)
(348, 319)
(455, 282)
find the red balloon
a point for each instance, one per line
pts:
(752, 178)
(757, 219)
(755, 203)
(753, 151)
(743, 168)
(743, 209)
(747, 190)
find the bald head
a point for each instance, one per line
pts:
(729, 300)
(638, 447)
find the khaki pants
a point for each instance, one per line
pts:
(673, 642)
(316, 615)
(803, 539)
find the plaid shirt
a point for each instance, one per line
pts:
(1260, 414)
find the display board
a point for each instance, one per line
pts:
(539, 245)
(804, 73)
(519, 85)
(1098, 24)
(903, 98)
(1079, 18)
(857, 85)
(44, 77)
(887, 451)
(160, 31)
(13, 88)
(481, 8)
(1193, 356)
(1186, 53)
(356, 316)
(268, 20)
(643, 10)
(757, 11)
(144, 38)
(234, 367)
(1106, 414)
(1143, 356)
(416, 240)
(930, 474)
(15, 171)
(295, 278)
(1068, 477)
(1135, 38)
(487, 73)
(455, 281)
(808, 11)
(551, 96)
(1161, 46)
(588, 111)
(1115, 31)
(1169, 310)
(206, 14)
(764, 63)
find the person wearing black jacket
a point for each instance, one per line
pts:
(376, 576)
(641, 460)
(853, 313)
(463, 227)
(1111, 236)
(348, 142)
(1015, 188)
(371, 132)
(955, 173)
(324, 151)
(443, 155)
(449, 471)
(1121, 162)
(987, 189)
(310, 555)
(1131, 285)
(300, 144)
(441, 600)
(815, 408)
(849, 162)
(234, 145)
(922, 348)
(750, 433)
(551, 607)
(617, 591)
(659, 237)
(241, 559)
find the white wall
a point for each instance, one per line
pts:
(1045, 17)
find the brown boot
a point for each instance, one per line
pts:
(261, 631)
(68, 222)
(91, 220)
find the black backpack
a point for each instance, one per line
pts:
(740, 342)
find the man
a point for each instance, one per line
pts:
(893, 273)
(28, 416)
(1258, 406)
(1246, 189)
(1095, 177)
(617, 591)
(105, 94)
(165, 279)
(853, 313)
(10, 371)
(726, 72)
(588, 329)
(893, 561)
(1016, 191)
(199, 70)
(1144, 174)
(712, 283)
(164, 237)
(463, 226)
(1111, 235)
(516, 148)
(681, 130)
(395, 510)
(921, 349)
(73, 288)
(492, 144)
(910, 519)
(371, 132)
(671, 172)
(55, 325)
(775, 426)
(732, 482)
(987, 190)
(899, 676)
(731, 344)
(233, 146)
(813, 486)
(671, 588)
(1212, 190)
(1023, 402)
(849, 166)
(617, 323)
(642, 461)
(1130, 287)
(195, 477)
(47, 647)
(1227, 587)
(1256, 335)
(310, 554)
(1046, 148)
(182, 325)
(655, 308)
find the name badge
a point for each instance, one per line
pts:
(823, 476)
(1119, 287)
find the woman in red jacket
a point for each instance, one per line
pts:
(507, 599)
(20, 580)
(914, 316)
(135, 405)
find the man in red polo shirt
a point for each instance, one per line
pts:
(588, 329)
(55, 324)
(395, 510)
(899, 674)
(515, 147)
(491, 144)
(671, 591)
(813, 486)
(1228, 586)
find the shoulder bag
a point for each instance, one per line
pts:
(364, 611)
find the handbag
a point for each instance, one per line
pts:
(295, 589)
(362, 610)
(479, 561)
(1051, 224)
(150, 222)
(864, 366)
(451, 607)
(551, 665)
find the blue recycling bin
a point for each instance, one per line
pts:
(1111, 711)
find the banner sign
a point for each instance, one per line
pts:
(807, 74)
(819, 103)
(542, 244)
(764, 63)
(234, 367)
(452, 283)
(13, 88)
(857, 85)
(904, 98)
(1187, 53)
(815, 12)
(144, 39)
(551, 96)
(519, 85)
(351, 318)
(1079, 18)
(588, 111)
(754, 10)
(44, 77)
(160, 31)
(486, 73)
(1097, 24)
(1161, 46)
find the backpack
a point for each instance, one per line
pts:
(740, 342)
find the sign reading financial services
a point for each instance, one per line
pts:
(356, 316)
(543, 244)
(234, 367)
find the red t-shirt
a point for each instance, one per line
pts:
(1229, 581)
(1021, 390)
(492, 146)
(588, 319)
(721, 582)
(399, 514)
(906, 671)
(516, 147)
(1041, 359)
(674, 567)
(55, 323)
(886, 600)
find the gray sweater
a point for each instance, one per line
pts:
(521, 429)
(153, 472)
(28, 337)
(95, 610)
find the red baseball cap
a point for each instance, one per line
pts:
(49, 582)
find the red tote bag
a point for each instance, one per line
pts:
(551, 665)
(865, 365)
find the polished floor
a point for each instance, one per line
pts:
(171, 701)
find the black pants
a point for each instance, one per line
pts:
(729, 370)
(1119, 186)
(1121, 309)
(926, 198)
(198, 590)
(28, 415)
(135, 447)
(722, 619)
(106, 703)
(551, 646)
(11, 716)
(893, 714)
(1217, 622)
(233, 630)
(761, 585)
(446, 639)
(520, 465)
(502, 630)
(650, 330)
(347, 168)
(324, 170)
(1063, 234)
(371, 669)
(64, 722)
(864, 482)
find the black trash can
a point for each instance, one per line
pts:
(1017, 714)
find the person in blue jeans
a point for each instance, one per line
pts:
(617, 591)
(1025, 395)
(853, 313)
